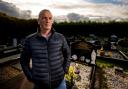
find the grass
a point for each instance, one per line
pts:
(103, 64)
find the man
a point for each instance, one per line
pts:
(50, 55)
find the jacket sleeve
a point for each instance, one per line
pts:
(67, 55)
(25, 59)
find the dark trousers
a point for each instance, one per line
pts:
(61, 86)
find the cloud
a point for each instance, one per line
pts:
(96, 9)
(108, 1)
(12, 10)
(124, 2)
(76, 8)
(75, 17)
(70, 5)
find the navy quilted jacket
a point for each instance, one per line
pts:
(50, 58)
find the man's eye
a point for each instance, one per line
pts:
(50, 18)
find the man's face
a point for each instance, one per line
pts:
(45, 20)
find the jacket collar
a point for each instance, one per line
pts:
(39, 34)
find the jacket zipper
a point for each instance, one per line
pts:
(47, 41)
(49, 65)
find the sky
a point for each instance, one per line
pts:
(72, 9)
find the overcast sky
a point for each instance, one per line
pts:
(107, 8)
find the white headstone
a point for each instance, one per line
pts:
(14, 42)
(93, 57)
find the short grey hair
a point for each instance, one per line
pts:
(43, 11)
